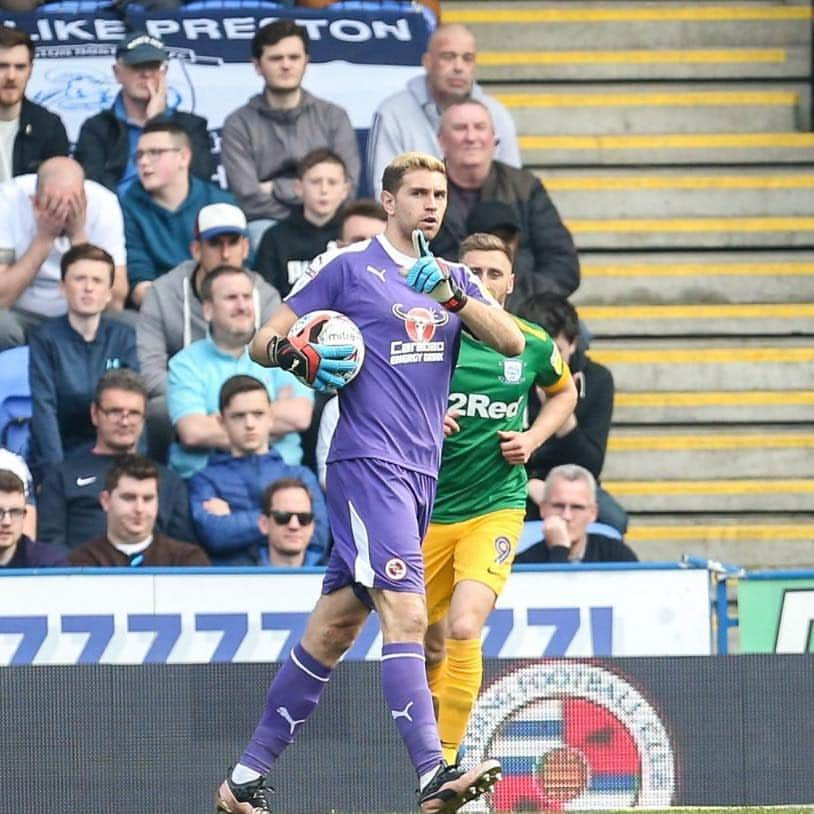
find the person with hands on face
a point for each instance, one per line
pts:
(567, 508)
(107, 141)
(381, 475)
(479, 507)
(41, 217)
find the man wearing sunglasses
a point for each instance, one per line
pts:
(288, 523)
(16, 549)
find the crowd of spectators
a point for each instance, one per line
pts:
(137, 282)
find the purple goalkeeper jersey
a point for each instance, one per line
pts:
(394, 409)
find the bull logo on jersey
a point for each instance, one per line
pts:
(420, 323)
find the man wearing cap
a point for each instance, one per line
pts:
(161, 206)
(546, 258)
(171, 315)
(107, 141)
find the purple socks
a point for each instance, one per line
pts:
(404, 682)
(291, 698)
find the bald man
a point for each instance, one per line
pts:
(409, 120)
(41, 217)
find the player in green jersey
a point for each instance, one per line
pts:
(480, 503)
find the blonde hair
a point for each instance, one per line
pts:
(395, 171)
(483, 242)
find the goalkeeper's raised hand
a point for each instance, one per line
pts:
(319, 366)
(427, 277)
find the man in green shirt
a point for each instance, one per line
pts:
(480, 503)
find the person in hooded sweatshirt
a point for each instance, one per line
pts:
(171, 316)
(264, 139)
(288, 247)
(409, 120)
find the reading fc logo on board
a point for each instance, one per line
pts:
(571, 736)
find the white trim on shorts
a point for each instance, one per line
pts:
(363, 572)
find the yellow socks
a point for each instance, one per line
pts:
(456, 684)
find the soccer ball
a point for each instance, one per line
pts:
(327, 327)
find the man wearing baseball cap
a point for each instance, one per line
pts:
(107, 141)
(220, 239)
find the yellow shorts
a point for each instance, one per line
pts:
(481, 549)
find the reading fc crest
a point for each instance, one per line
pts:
(571, 736)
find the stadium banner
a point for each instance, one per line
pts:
(571, 735)
(358, 57)
(175, 616)
(776, 612)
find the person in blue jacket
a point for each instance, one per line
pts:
(161, 207)
(226, 497)
(69, 354)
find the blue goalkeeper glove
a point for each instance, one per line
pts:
(317, 365)
(427, 277)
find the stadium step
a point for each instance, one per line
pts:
(744, 192)
(741, 319)
(673, 277)
(563, 110)
(641, 64)
(748, 541)
(707, 407)
(633, 24)
(708, 365)
(716, 451)
(666, 148)
(692, 233)
(756, 495)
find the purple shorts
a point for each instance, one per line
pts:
(379, 514)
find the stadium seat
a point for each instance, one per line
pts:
(15, 400)
(533, 532)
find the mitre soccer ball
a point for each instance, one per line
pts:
(327, 327)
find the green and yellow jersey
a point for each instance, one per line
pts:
(490, 391)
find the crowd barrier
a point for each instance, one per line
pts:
(186, 616)
(571, 734)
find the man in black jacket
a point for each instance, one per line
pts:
(29, 134)
(107, 141)
(69, 512)
(568, 507)
(546, 259)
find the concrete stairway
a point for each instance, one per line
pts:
(675, 139)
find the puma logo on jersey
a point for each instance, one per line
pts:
(402, 713)
(377, 272)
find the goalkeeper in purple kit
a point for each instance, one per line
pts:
(382, 470)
